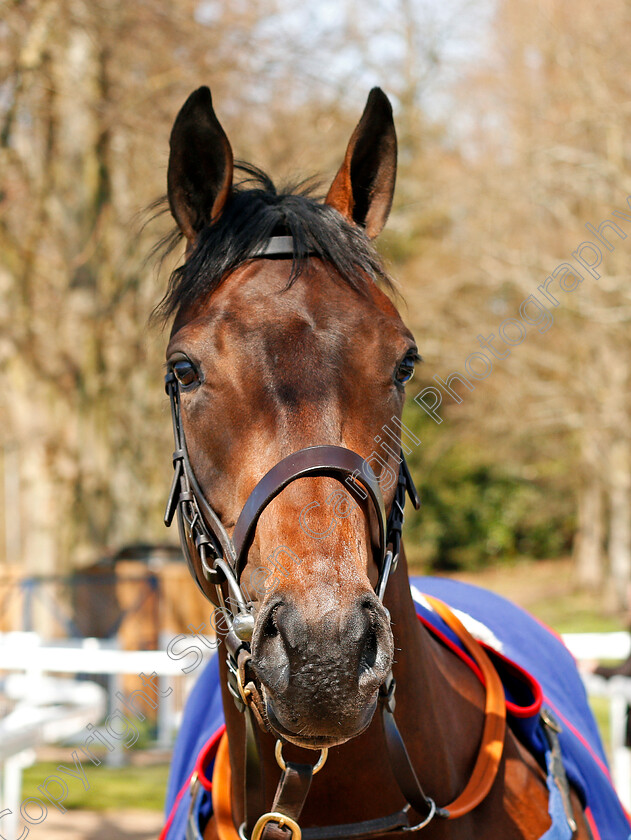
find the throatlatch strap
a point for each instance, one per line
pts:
(402, 767)
(289, 801)
(253, 781)
(492, 745)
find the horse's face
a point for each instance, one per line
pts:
(266, 369)
(279, 371)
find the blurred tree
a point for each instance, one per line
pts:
(89, 91)
(491, 198)
(88, 94)
(547, 153)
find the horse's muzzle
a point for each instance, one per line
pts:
(321, 666)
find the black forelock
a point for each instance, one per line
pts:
(254, 212)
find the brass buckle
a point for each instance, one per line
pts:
(283, 822)
(244, 691)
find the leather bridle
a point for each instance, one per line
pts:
(221, 558)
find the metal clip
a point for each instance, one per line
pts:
(550, 721)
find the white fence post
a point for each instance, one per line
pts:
(43, 720)
(620, 688)
(11, 786)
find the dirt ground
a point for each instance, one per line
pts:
(94, 825)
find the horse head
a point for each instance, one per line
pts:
(283, 340)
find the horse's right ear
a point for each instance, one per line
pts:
(200, 170)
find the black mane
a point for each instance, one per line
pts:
(255, 211)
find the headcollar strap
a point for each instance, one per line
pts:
(276, 246)
(336, 462)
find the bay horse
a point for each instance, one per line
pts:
(286, 371)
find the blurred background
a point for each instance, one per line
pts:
(512, 120)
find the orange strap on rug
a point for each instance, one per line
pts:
(221, 793)
(492, 743)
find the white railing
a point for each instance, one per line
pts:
(51, 709)
(588, 648)
(27, 653)
(24, 653)
(27, 725)
(45, 711)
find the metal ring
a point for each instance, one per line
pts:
(428, 818)
(278, 752)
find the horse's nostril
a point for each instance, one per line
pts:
(369, 653)
(327, 656)
(376, 643)
(270, 628)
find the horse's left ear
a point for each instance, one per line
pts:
(200, 170)
(363, 188)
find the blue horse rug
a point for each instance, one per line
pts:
(537, 671)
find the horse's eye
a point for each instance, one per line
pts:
(186, 373)
(405, 369)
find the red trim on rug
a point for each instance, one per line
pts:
(548, 628)
(181, 793)
(590, 750)
(452, 646)
(512, 708)
(205, 754)
(591, 823)
(532, 683)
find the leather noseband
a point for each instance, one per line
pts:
(208, 547)
(332, 461)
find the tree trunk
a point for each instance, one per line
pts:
(618, 588)
(617, 466)
(588, 555)
(588, 543)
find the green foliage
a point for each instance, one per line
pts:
(111, 788)
(476, 509)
